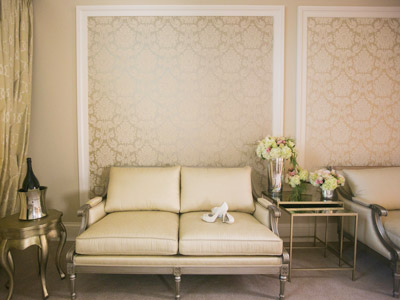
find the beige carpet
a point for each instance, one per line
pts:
(374, 281)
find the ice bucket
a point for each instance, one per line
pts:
(32, 203)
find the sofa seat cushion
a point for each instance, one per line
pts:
(375, 186)
(131, 233)
(246, 236)
(392, 226)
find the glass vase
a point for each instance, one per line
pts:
(275, 168)
(327, 194)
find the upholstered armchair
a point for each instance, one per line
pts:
(374, 193)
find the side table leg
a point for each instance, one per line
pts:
(315, 231)
(61, 243)
(5, 264)
(341, 241)
(291, 248)
(39, 256)
(326, 236)
(11, 264)
(43, 264)
(353, 275)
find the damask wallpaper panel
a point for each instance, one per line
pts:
(353, 91)
(193, 91)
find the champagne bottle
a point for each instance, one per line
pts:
(30, 181)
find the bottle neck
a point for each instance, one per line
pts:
(29, 164)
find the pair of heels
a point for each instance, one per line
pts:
(219, 212)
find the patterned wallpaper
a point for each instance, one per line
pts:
(353, 92)
(193, 91)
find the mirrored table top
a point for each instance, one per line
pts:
(334, 212)
(307, 202)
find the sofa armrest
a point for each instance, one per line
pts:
(268, 214)
(91, 212)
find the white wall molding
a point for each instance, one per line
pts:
(305, 12)
(82, 14)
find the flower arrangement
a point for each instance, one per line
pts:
(327, 180)
(296, 178)
(277, 147)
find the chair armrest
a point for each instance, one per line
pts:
(377, 213)
(380, 210)
(91, 212)
(274, 213)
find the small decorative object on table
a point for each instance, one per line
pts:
(297, 179)
(328, 181)
(275, 150)
(32, 196)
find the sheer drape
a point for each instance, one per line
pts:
(16, 28)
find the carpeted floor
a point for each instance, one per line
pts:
(374, 281)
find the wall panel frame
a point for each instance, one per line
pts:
(305, 13)
(84, 12)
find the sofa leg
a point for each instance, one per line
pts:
(72, 278)
(177, 274)
(396, 280)
(283, 279)
(284, 274)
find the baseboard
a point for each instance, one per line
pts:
(301, 229)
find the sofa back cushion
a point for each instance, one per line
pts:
(375, 186)
(143, 189)
(205, 188)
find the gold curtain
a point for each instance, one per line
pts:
(16, 28)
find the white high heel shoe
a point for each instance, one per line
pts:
(216, 212)
(227, 218)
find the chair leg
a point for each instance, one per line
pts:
(396, 280)
(177, 274)
(72, 278)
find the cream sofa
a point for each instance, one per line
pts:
(150, 223)
(374, 193)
